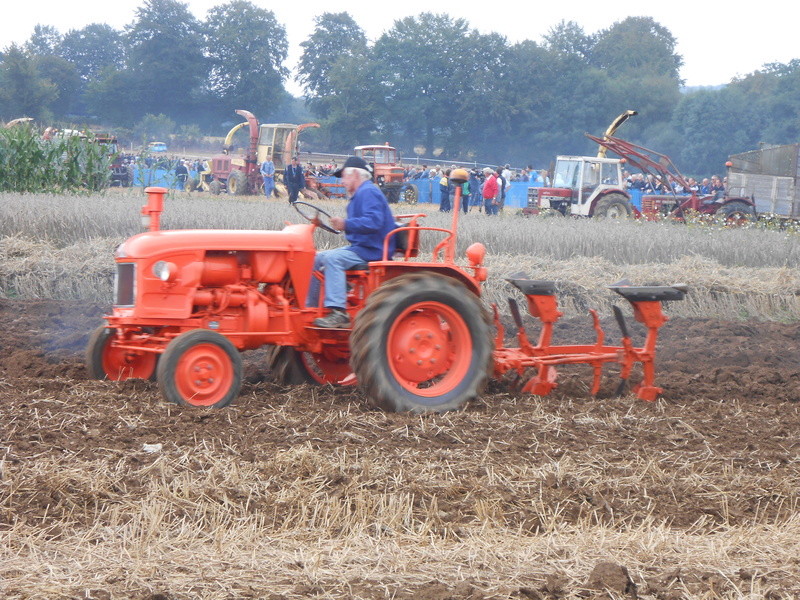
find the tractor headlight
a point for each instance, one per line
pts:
(165, 271)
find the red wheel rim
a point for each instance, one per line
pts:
(429, 349)
(330, 366)
(204, 375)
(121, 364)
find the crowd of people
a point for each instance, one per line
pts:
(652, 184)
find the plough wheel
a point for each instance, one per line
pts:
(106, 362)
(200, 368)
(290, 367)
(422, 343)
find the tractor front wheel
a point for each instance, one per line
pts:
(200, 368)
(422, 343)
(237, 183)
(215, 187)
(408, 194)
(104, 361)
(613, 206)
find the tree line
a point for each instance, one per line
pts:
(429, 84)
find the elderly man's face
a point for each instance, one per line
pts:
(351, 180)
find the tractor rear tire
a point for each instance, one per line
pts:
(200, 368)
(106, 362)
(215, 187)
(290, 367)
(237, 183)
(613, 206)
(422, 343)
(737, 213)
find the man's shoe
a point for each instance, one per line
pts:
(337, 319)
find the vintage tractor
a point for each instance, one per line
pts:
(186, 302)
(587, 186)
(387, 173)
(240, 175)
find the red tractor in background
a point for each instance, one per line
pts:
(186, 302)
(240, 175)
(388, 175)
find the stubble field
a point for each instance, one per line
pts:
(106, 491)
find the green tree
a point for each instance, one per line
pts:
(165, 57)
(336, 37)
(92, 48)
(246, 48)
(639, 56)
(425, 64)
(63, 75)
(44, 41)
(154, 128)
(23, 91)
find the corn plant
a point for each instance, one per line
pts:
(64, 164)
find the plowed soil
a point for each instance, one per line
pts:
(716, 455)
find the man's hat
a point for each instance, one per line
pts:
(356, 162)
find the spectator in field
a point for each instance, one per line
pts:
(717, 188)
(475, 189)
(693, 186)
(181, 174)
(267, 171)
(705, 186)
(445, 192)
(502, 186)
(490, 192)
(294, 179)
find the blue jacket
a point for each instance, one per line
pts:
(369, 219)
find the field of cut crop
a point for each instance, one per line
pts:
(108, 492)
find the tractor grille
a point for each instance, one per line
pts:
(533, 197)
(125, 284)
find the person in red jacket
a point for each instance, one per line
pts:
(490, 191)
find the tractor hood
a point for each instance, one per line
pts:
(297, 238)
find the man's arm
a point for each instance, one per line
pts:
(371, 219)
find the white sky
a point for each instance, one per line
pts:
(717, 40)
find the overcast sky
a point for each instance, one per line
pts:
(717, 40)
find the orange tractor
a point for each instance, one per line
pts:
(387, 173)
(187, 302)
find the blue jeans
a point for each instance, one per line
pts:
(333, 264)
(489, 206)
(269, 185)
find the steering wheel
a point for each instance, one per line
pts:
(315, 217)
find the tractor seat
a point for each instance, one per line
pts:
(534, 287)
(651, 293)
(360, 267)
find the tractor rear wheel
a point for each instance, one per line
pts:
(613, 206)
(117, 364)
(422, 343)
(237, 183)
(737, 212)
(290, 367)
(200, 368)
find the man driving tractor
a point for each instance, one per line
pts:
(369, 220)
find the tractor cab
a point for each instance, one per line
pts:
(387, 174)
(581, 180)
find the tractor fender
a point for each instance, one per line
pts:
(393, 269)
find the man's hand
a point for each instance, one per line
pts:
(337, 223)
